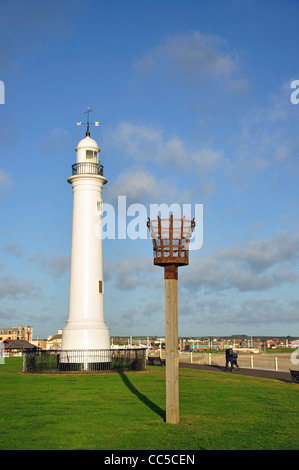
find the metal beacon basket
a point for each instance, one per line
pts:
(171, 239)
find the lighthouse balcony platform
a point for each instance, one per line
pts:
(87, 168)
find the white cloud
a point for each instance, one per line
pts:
(269, 134)
(54, 266)
(287, 150)
(148, 311)
(261, 254)
(5, 180)
(15, 287)
(147, 145)
(13, 249)
(139, 186)
(9, 314)
(158, 168)
(128, 274)
(193, 57)
(250, 312)
(255, 266)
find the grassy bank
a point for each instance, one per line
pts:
(127, 411)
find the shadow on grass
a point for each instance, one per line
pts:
(143, 397)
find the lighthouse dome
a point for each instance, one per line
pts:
(88, 143)
(87, 151)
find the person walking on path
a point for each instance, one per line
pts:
(229, 356)
(235, 361)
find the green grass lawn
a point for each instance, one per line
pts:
(127, 411)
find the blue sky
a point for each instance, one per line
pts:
(194, 103)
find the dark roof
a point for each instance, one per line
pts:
(18, 344)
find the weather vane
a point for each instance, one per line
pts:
(88, 123)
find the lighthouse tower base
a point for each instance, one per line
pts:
(85, 347)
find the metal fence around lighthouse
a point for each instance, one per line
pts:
(84, 361)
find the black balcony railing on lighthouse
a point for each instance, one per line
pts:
(87, 168)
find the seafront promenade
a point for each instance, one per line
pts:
(262, 373)
(278, 362)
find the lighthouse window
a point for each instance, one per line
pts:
(91, 155)
(101, 287)
(100, 206)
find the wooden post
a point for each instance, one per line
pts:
(171, 337)
(171, 252)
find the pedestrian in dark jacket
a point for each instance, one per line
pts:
(229, 358)
(235, 360)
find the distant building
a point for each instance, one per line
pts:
(295, 343)
(40, 343)
(54, 342)
(15, 347)
(16, 333)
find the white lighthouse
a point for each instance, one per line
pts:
(86, 327)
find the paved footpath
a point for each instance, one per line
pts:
(265, 374)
